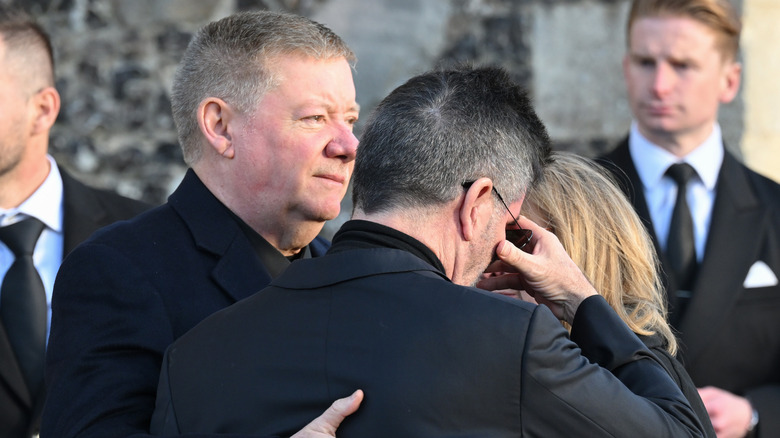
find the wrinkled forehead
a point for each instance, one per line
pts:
(294, 67)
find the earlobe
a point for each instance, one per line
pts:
(47, 107)
(214, 117)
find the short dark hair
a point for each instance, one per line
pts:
(445, 127)
(20, 33)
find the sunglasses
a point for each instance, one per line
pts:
(520, 236)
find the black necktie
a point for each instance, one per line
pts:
(23, 301)
(680, 249)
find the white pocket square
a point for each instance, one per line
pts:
(760, 275)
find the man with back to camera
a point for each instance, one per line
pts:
(37, 197)
(721, 250)
(264, 105)
(390, 309)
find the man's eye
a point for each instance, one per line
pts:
(317, 118)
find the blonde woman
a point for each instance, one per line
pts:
(582, 206)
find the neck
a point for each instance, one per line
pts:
(287, 232)
(20, 182)
(678, 144)
(431, 229)
(291, 237)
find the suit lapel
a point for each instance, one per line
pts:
(81, 213)
(238, 271)
(628, 178)
(231, 272)
(732, 246)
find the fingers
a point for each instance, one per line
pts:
(707, 393)
(499, 282)
(511, 293)
(344, 407)
(730, 414)
(539, 232)
(508, 253)
(502, 274)
(525, 296)
(326, 424)
(529, 224)
(546, 272)
(497, 268)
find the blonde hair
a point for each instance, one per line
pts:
(581, 204)
(718, 15)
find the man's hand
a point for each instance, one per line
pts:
(730, 414)
(546, 273)
(326, 424)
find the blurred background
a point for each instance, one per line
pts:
(116, 59)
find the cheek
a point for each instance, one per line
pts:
(702, 95)
(634, 88)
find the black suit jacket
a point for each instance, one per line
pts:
(86, 209)
(127, 293)
(434, 359)
(730, 335)
(682, 379)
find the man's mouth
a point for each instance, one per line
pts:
(337, 178)
(658, 109)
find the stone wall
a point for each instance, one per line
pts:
(761, 138)
(116, 59)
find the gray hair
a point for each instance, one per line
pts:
(231, 58)
(443, 128)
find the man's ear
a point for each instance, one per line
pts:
(214, 118)
(46, 104)
(732, 77)
(476, 208)
(626, 64)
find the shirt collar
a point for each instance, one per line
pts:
(652, 161)
(45, 204)
(271, 258)
(356, 234)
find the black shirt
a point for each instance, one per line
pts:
(273, 260)
(357, 234)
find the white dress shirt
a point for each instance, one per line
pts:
(45, 204)
(660, 191)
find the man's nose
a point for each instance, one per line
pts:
(343, 144)
(663, 80)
